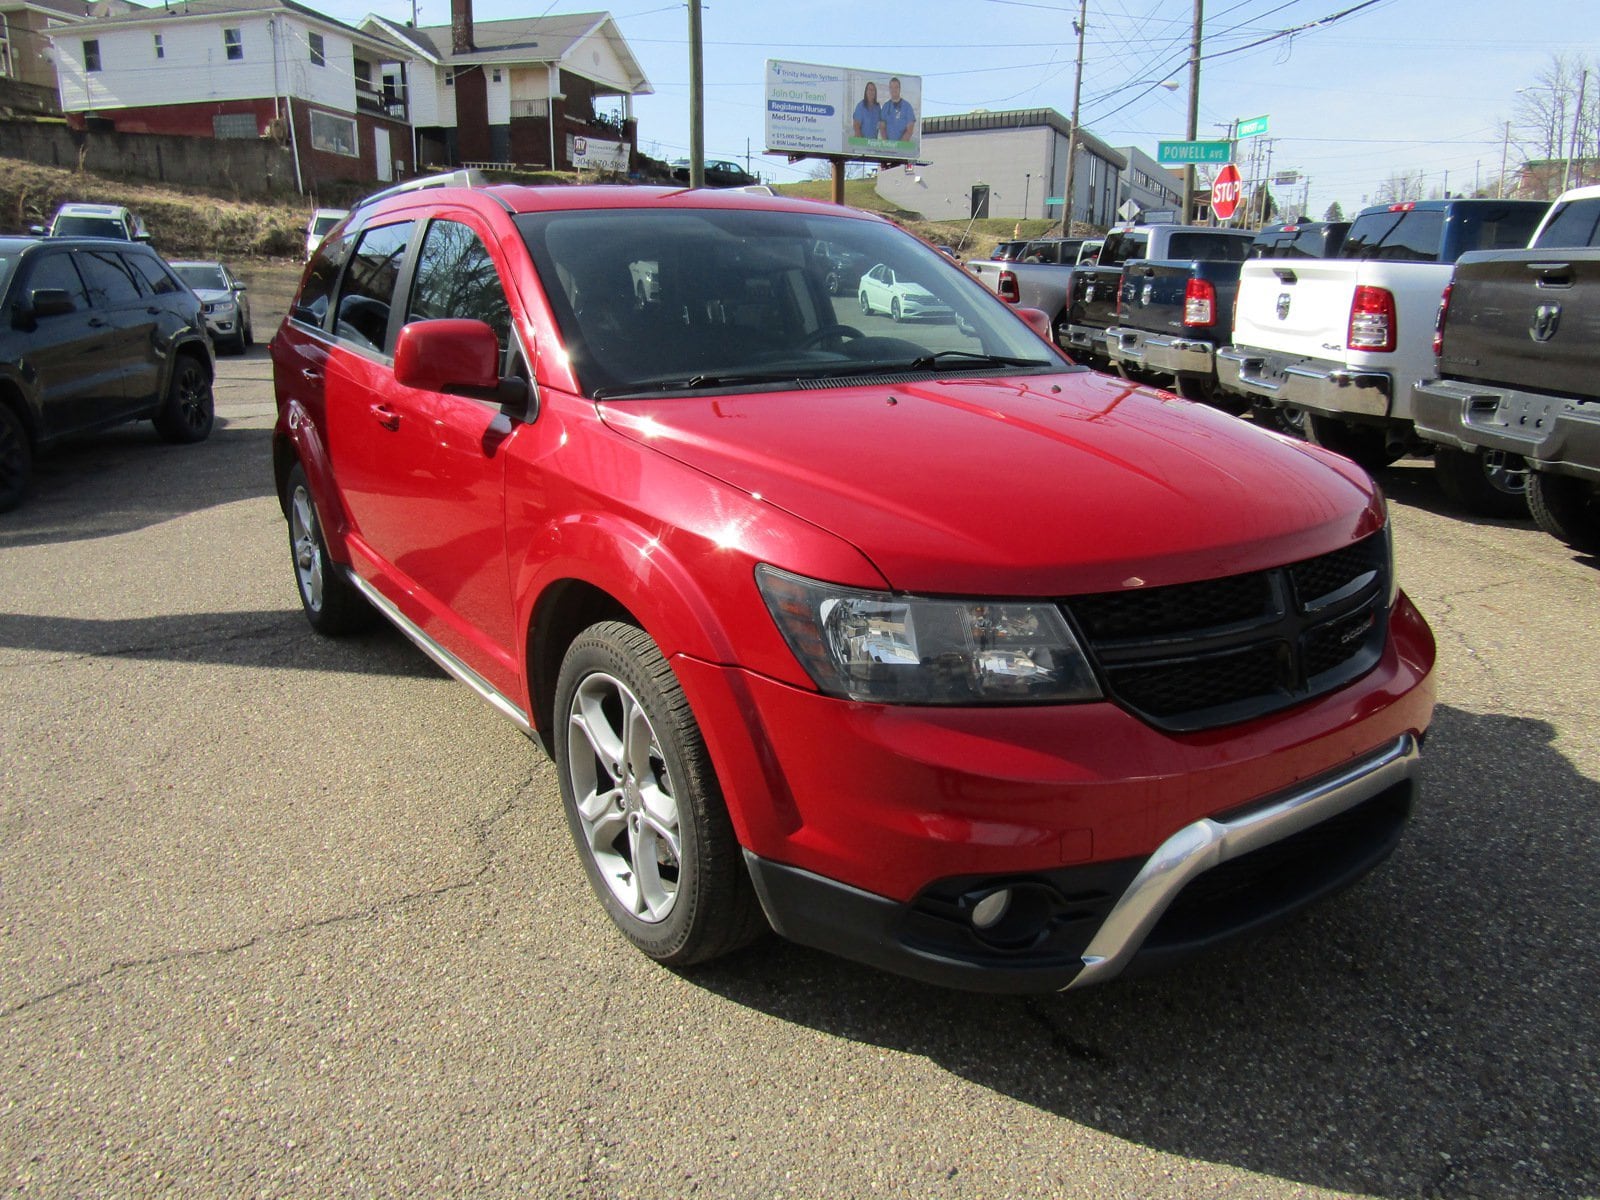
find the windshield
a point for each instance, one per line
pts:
(321, 225)
(103, 227)
(201, 277)
(652, 301)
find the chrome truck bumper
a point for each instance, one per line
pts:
(1159, 353)
(1309, 383)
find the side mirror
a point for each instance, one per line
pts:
(1037, 320)
(142, 237)
(36, 230)
(239, 287)
(50, 302)
(458, 356)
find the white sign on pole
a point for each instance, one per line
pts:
(597, 155)
(852, 113)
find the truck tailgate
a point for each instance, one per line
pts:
(1527, 319)
(1302, 306)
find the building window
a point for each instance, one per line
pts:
(161, 51)
(449, 79)
(91, 55)
(233, 44)
(334, 135)
(497, 74)
(319, 56)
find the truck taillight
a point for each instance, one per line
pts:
(1008, 290)
(1199, 303)
(1372, 319)
(1438, 325)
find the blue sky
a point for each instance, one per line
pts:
(1401, 85)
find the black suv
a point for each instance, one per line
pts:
(94, 333)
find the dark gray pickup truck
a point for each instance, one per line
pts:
(1519, 374)
(1092, 308)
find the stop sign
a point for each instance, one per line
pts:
(1225, 192)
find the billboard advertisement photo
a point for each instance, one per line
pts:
(843, 111)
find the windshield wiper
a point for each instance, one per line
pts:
(690, 383)
(975, 359)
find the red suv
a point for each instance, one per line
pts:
(915, 642)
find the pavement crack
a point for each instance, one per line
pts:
(125, 966)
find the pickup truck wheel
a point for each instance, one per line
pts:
(1487, 483)
(643, 804)
(832, 282)
(16, 459)
(188, 411)
(1567, 509)
(1366, 445)
(331, 604)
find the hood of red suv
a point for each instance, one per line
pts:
(1042, 485)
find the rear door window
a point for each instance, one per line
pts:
(366, 293)
(161, 281)
(109, 277)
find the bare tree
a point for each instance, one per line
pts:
(1400, 187)
(1556, 119)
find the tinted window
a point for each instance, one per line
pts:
(109, 278)
(367, 292)
(316, 290)
(57, 271)
(106, 227)
(1120, 247)
(154, 273)
(1208, 246)
(1396, 236)
(1494, 228)
(456, 278)
(199, 276)
(1575, 223)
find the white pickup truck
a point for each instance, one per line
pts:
(1334, 345)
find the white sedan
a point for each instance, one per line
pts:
(902, 299)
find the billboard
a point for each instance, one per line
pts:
(843, 111)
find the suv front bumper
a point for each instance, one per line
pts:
(1294, 381)
(1554, 434)
(1160, 353)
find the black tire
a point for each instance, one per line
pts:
(331, 603)
(1366, 445)
(248, 337)
(1567, 509)
(833, 283)
(894, 309)
(16, 459)
(865, 306)
(680, 902)
(189, 410)
(1485, 483)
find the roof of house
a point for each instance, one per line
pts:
(1022, 118)
(519, 41)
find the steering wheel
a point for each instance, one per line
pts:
(818, 336)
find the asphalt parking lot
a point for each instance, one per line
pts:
(283, 916)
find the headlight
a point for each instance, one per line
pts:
(892, 649)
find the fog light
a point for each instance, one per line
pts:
(988, 912)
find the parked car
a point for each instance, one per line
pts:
(841, 268)
(1007, 251)
(222, 301)
(918, 643)
(322, 220)
(96, 220)
(882, 290)
(1517, 382)
(1300, 239)
(95, 334)
(719, 173)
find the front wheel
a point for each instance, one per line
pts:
(187, 413)
(1487, 483)
(1366, 445)
(16, 459)
(894, 309)
(1567, 509)
(866, 306)
(643, 804)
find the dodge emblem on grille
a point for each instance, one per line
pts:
(1283, 306)
(1545, 319)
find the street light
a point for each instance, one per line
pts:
(1170, 85)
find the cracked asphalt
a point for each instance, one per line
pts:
(286, 917)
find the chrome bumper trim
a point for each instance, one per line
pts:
(448, 662)
(1324, 387)
(1208, 842)
(1159, 353)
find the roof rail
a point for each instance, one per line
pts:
(464, 178)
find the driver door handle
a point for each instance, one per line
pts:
(387, 417)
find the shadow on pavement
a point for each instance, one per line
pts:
(127, 478)
(1433, 1031)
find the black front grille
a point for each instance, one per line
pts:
(1198, 655)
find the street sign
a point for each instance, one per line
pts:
(1183, 153)
(1225, 192)
(1055, 200)
(1286, 178)
(1251, 127)
(1128, 211)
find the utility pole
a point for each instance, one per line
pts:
(1081, 24)
(697, 100)
(1194, 109)
(1577, 120)
(1505, 144)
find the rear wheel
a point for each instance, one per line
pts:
(16, 459)
(1487, 483)
(1367, 445)
(643, 804)
(331, 604)
(1567, 509)
(189, 409)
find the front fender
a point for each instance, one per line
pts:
(297, 438)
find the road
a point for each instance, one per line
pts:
(283, 916)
